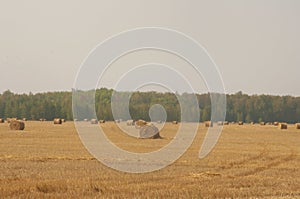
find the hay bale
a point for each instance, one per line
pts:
(1, 120)
(17, 125)
(208, 124)
(174, 122)
(24, 119)
(57, 121)
(226, 123)
(130, 123)
(262, 123)
(101, 121)
(241, 123)
(297, 125)
(94, 121)
(140, 123)
(283, 126)
(276, 123)
(252, 123)
(220, 123)
(86, 120)
(63, 120)
(149, 132)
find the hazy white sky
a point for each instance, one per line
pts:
(255, 43)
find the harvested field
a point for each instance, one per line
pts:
(47, 160)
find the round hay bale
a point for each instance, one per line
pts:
(94, 121)
(297, 125)
(17, 125)
(149, 132)
(86, 120)
(57, 121)
(241, 123)
(24, 119)
(140, 123)
(226, 123)
(1, 120)
(283, 126)
(220, 123)
(276, 123)
(102, 121)
(252, 123)
(63, 120)
(130, 122)
(208, 124)
(175, 122)
(262, 123)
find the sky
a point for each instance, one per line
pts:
(255, 43)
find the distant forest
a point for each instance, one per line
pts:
(240, 107)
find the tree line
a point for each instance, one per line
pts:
(240, 107)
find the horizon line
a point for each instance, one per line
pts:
(59, 91)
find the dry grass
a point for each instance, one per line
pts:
(47, 160)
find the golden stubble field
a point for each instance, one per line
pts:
(49, 161)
